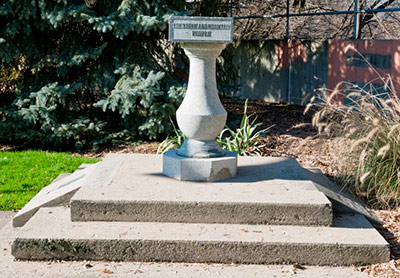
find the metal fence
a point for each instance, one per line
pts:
(356, 12)
(295, 80)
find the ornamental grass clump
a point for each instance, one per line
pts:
(368, 127)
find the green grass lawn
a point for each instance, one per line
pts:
(24, 173)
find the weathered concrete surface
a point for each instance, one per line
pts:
(266, 191)
(199, 169)
(343, 202)
(10, 268)
(59, 192)
(51, 235)
(5, 217)
(105, 172)
(64, 175)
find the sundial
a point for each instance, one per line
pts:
(201, 116)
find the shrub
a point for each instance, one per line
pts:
(370, 132)
(88, 74)
(8, 79)
(91, 71)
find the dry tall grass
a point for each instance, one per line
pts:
(370, 129)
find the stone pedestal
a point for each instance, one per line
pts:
(199, 169)
(201, 117)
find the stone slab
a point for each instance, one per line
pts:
(59, 192)
(64, 175)
(199, 169)
(105, 172)
(342, 201)
(11, 268)
(50, 235)
(265, 191)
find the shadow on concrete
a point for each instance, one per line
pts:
(258, 173)
(391, 239)
(286, 169)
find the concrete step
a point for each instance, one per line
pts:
(57, 193)
(265, 191)
(50, 235)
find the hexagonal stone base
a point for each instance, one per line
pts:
(199, 169)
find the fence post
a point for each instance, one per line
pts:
(287, 18)
(356, 20)
(289, 52)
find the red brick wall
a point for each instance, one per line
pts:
(339, 68)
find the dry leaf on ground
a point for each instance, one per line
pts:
(107, 271)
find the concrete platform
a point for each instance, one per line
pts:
(11, 268)
(273, 212)
(51, 235)
(265, 191)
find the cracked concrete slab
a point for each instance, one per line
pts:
(343, 202)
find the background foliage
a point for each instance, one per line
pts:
(82, 73)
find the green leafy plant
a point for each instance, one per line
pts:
(245, 140)
(173, 142)
(369, 131)
(8, 78)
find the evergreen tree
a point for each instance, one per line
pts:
(89, 71)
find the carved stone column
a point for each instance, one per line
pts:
(201, 116)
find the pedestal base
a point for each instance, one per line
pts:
(271, 213)
(200, 149)
(199, 169)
